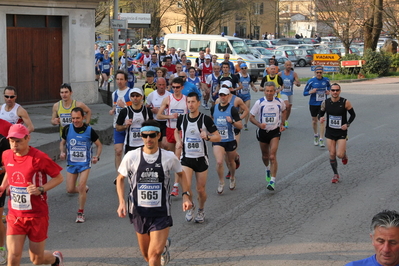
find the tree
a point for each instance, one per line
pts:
(102, 10)
(204, 14)
(390, 18)
(344, 17)
(373, 24)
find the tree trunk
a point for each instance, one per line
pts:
(373, 25)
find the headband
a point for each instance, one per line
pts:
(150, 128)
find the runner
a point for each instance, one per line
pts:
(192, 130)
(268, 114)
(318, 88)
(337, 126)
(213, 82)
(149, 204)
(78, 139)
(61, 114)
(13, 112)
(4, 145)
(226, 117)
(290, 78)
(26, 180)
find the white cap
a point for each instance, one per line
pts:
(224, 91)
(208, 56)
(178, 49)
(227, 83)
(136, 90)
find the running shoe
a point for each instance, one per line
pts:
(3, 255)
(345, 160)
(87, 189)
(237, 161)
(245, 127)
(206, 106)
(268, 177)
(271, 185)
(80, 218)
(335, 179)
(286, 124)
(232, 183)
(228, 175)
(165, 257)
(220, 188)
(58, 255)
(321, 143)
(175, 191)
(316, 140)
(200, 218)
(190, 214)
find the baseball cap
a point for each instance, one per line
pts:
(178, 49)
(17, 131)
(227, 83)
(150, 74)
(224, 91)
(240, 59)
(136, 90)
(208, 56)
(243, 65)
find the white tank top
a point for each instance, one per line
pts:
(176, 106)
(12, 115)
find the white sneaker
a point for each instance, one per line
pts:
(200, 218)
(165, 257)
(220, 188)
(316, 140)
(321, 143)
(190, 214)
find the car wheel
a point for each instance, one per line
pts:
(302, 63)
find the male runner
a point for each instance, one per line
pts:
(290, 78)
(268, 114)
(149, 204)
(226, 117)
(26, 180)
(337, 126)
(192, 130)
(61, 114)
(78, 138)
(13, 112)
(318, 88)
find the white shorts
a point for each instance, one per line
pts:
(288, 98)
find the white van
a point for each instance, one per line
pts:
(236, 47)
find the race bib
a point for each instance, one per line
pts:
(320, 96)
(270, 118)
(193, 145)
(287, 85)
(245, 89)
(135, 136)
(65, 119)
(105, 67)
(176, 111)
(223, 131)
(20, 199)
(335, 121)
(78, 154)
(149, 195)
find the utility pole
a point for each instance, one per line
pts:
(116, 43)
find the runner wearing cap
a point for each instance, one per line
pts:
(130, 120)
(226, 117)
(149, 85)
(78, 139)
(245, 92)
(27, 169)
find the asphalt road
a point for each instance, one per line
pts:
(306, 221)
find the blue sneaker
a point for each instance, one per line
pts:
(270, 186)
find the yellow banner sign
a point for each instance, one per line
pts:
(326, 57)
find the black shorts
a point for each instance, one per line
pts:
(266, 136)
(336, 134)
(128, 148)
(236, 131)
(163, 129)
(314, 110)
(198, 165)
(228, 146)
(98, 72)
(3, 197)
(145, 225)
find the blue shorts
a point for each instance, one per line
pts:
(245, 97)
(119, 136)
(130, 84)
(76, 169)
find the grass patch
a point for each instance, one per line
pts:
(338, 76)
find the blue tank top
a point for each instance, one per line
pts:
(78, 147)
(106, 64)
(245, 91)
(225, 128)
(288, 83)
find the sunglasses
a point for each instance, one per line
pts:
(222, 94)
(244, 68)
(176, 87)
(10, 96)
(335, 90)
(225, 86)
(182, 77)
(319, 72)
(151, 135)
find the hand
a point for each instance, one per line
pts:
(33, 189)
(2, 190)
(203, 134)
(263, 126)
(62, 155)
(112, 111)
(282, 128)
(94, 159)
(313, 91)
(121, 210)
(344, 127)
(322, 119)
(175, 115)
(228, 119)
(128, 122)
(187, 205)
(327, 92)
(56, 121)
(121, 103)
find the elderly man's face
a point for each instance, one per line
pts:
(386, 245)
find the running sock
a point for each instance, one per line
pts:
(81, 210)
(176, 185)
(273, 179)
(57, 262)
(334, 166)
(200, 209)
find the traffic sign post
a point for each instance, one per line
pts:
(119, 24)
(325, 63)
(329, 62)
(326, 57)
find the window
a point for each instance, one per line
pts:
(178, 28)
(222, 47)
(225, 30)
(196, 45)
(194, 30)
(177, 44)
(258, 8)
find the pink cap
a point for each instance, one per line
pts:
(17, 131)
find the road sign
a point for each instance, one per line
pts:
(136, 18)
(325, 63)
(327, 68)
(118, 23)
(326, 57)
(353, 63)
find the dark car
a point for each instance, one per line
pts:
(310, 40)
(283, 41)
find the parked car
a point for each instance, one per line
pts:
(260, 44)
(304, 56)
(290, 54)
(271, 43)
(293, 47)
(310, 40)
(263, 51)
(352, 50)
(284, 41)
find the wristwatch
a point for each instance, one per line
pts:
(186, 193)
(98, 158)
(208, 138)
(41, 189)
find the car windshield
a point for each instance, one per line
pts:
(265, 52)
(240, 47)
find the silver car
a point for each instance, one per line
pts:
(304, 56)
(290, 54)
